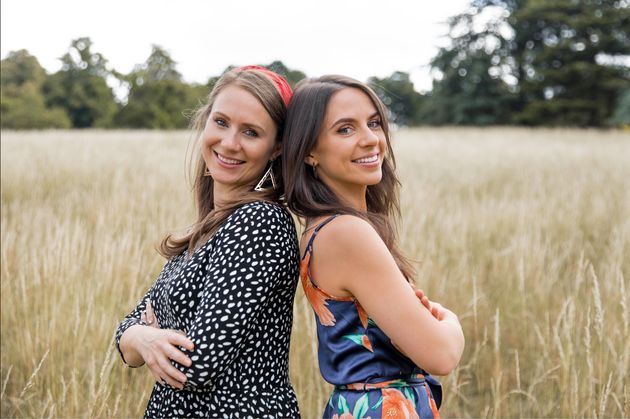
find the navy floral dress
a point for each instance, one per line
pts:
(372, 378)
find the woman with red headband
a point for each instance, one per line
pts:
(214, 329)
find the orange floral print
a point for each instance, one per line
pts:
(434, 408)
(304, 265)
(366, 343)
(362, 340)
(395, 405)
(315, 296)
(362, 314)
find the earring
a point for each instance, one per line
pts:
(268, 174)
(207, 172)
(315, 171)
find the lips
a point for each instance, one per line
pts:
(227, 161)
(373, 158)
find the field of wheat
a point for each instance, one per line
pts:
(525, 234)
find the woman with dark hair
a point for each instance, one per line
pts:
(378, 338)
(214, 329)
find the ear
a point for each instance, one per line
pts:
(310, 160)
(276, 151)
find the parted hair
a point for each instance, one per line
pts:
(209, 218)
(309, 197)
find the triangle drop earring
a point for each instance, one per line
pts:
(268, 174)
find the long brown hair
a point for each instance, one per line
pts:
(209, 218)
(306, 195)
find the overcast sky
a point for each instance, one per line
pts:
(357, 38)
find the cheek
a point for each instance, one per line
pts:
(210, 137)
(260, 154)
(205, 147)
(383, 145)
(206, 139)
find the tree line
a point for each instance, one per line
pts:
(507, 62)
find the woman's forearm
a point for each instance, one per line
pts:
(448, 353)
(128, 346)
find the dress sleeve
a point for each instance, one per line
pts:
(254, 254)
(131, 319)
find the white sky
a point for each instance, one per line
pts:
(357, 38)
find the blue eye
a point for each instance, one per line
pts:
(375, 123)
(220, 122)
(251, 133)
(344, 130)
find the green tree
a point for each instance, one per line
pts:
(400, 97)
(22, 103)
(158, 98)
(470, 87)
(621, 116)
(80, 87)
(292, 76)
(565, 54)
(552, 62)
(468, 93)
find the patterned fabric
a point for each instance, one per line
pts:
(371, 377)
(233, 297)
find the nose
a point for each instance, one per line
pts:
(369, 138)
(230, 141)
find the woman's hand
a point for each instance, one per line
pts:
(436, 309)
(148, 316)
(158, 347)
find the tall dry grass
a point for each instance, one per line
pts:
(524, 233)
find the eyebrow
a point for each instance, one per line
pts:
(344, 120)
(249, 124)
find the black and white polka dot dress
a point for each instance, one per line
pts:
(233, 298)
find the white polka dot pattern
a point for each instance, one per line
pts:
(233, 297)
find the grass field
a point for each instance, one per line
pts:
(525, 234)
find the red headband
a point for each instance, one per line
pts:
(280, 82)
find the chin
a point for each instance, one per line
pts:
(224, 180)
(374, 180)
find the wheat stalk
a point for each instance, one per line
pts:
(31, 379)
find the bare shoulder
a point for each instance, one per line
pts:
(345, 250)
(349, 237)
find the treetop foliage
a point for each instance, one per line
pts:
(528, 62)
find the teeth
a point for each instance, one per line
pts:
(367, 159)
(228, 161)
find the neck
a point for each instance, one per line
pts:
(223, 194)
(353, 197)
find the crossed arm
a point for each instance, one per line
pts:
(236, 288)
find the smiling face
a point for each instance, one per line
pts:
(351, 145)
(239, 139)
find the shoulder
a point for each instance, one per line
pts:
(261, 212)
(350, 236)
(349, 253)
(260, 220)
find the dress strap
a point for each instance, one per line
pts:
(309, 245)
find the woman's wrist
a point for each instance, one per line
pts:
(129, 345)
